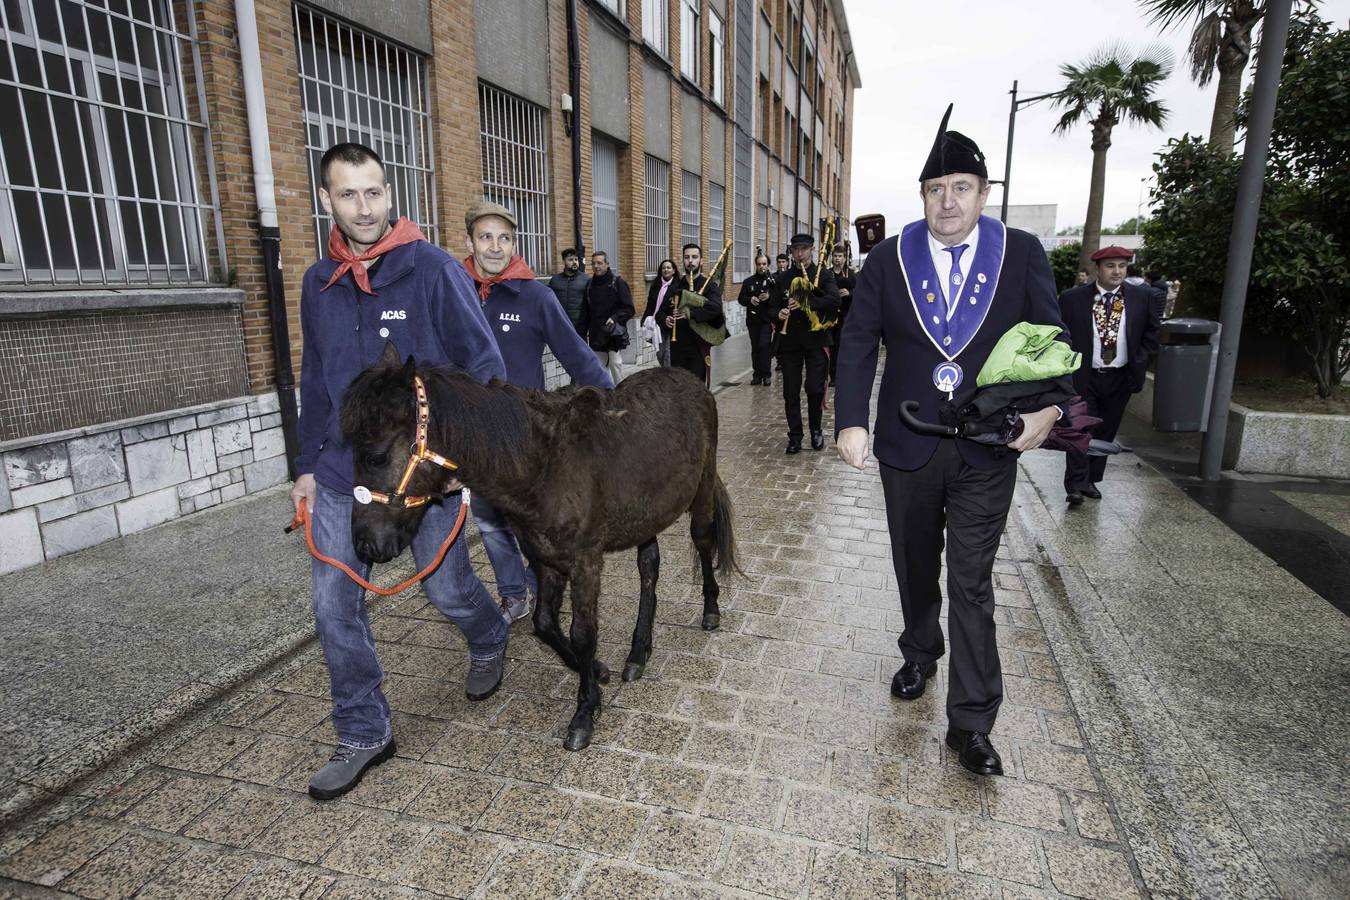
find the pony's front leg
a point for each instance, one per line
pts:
(649, 567)
(585, 599)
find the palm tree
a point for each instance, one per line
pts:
(1113, 85)
(1222, 42)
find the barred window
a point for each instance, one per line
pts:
(605, 199)
(657, 240)
(690, 37)
(515, 168)
(359, 88)
(103, 148)
(691, 187)
(656, 25)
(717, 212)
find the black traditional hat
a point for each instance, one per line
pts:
(801, 240)
(953, 152)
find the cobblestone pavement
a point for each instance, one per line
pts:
(767, 758)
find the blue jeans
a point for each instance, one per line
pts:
(360, 710)
(513, 578)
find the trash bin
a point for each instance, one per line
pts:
(1184, 378)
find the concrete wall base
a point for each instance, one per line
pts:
(67, 491)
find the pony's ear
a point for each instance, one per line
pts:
(409, 368)
(390, 358)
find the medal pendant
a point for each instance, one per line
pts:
(947, 377)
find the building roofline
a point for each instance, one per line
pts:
(841, 19)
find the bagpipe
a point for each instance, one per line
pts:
(802, 288)
(712, 335)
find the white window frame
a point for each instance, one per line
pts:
(656, 238)
(691, 39)
(393, 119)
(656, 25)
(74, 80)
(717, 55)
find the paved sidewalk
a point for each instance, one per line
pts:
(1211, 683)
(765, 759)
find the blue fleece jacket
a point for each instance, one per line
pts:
(525, 316)
(424, 302)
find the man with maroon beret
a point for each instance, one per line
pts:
(1115, 327)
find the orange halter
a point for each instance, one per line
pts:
(419, 454)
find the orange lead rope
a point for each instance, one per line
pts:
(302, 518)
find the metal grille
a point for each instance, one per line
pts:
(605, 199)
(101, 145)
(691, 186)
(656, 24)
(657, 240)
(717, 213)
(742, 184)
(357, 87)
(515, 168)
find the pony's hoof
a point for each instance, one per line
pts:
(633, 671)
(602, 672)
(578, 739)
(711, 621)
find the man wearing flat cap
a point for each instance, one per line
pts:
(1114, 325)
(806, 306)
(940, 295)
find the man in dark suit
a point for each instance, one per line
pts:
(940, 295)
(807, 302)
(1114, 325)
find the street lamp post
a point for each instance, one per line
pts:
(1251, 179)
(1012, 124)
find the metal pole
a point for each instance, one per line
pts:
(1243, 236)
(1007, 159)
(574, 87)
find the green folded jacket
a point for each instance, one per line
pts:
(1028, 352)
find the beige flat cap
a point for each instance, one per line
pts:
(487, 208)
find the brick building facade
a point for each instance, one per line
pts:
(137, 376)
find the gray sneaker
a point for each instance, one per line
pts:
(343, 772)
(514, 608)
(485, 675)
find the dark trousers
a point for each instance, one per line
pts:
(1108, 392)
(834, 349)
(972, 505)
(815, 363)
(761, 338)
(690, 353)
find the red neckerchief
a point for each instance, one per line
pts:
(403, 232)
(516, 268)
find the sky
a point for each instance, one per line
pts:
(916, 56)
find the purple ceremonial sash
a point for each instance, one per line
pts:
(951, 329)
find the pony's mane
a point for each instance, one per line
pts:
(488, 421)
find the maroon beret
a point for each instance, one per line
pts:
(1112, 252)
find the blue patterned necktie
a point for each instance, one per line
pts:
(954, 281)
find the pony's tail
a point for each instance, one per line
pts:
(726, 539)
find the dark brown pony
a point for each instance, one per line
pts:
(578, 473)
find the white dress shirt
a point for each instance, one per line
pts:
(1122, 354)
(942, 262)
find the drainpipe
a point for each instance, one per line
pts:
(269, 233)
(574, 88)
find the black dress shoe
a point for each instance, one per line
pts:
(975, 751)
(1092, 492)
(754, 379)
(817, 440)
(909, 682)
(794, 445)
(766, 380)
(1074, 498)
